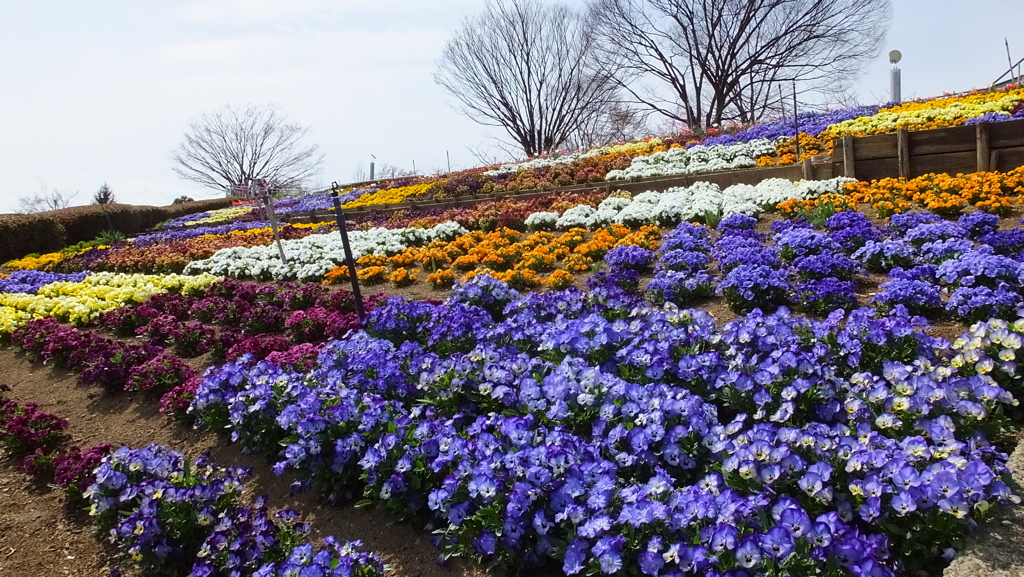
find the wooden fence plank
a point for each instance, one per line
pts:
(1008, 134)
(903, 152)
(849, 162)
(982, 146)
(874, 146)
(943, 140)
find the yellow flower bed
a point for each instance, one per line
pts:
(43, 262)
(81, 302)
(222, 214)
(392, 195)
(939, 113)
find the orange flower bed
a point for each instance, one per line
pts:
(522, 260)
(942, 194)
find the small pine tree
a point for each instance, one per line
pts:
(183, 199)
(105, 195)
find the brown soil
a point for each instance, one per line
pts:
(38, 537)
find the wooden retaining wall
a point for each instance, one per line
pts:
(995, 146)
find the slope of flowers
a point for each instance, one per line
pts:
(612, 436)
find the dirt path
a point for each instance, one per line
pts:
(997, 550)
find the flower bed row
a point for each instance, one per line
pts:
(81, 302)
(282, 206)
(284, 324)
(523, 261)
(612, 436)
(943, 194)
(168, 515)
(968, 271)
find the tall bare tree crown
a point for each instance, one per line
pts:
(230, 146)
(527, 67)
(703, 62)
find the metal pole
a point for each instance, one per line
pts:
(895, 86)
(349, 261)
(268, 200)
(796, 125)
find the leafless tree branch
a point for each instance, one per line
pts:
(45, 199)
(526, 67)
(702, 62)
(230, 146)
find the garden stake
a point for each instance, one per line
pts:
(343, 228)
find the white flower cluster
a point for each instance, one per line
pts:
(313, 256)
(680, 204)
(541, 221)
(696, 159)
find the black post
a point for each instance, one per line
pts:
(796, 124)
(343, 228)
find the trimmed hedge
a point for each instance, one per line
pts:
(22, 234)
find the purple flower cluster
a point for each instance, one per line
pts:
(802, 242)
(900, 223)
(630, 257)
(882, 256)
(923, 233)
(681, 276)
(979, 223)
(919, 297)
(852, 229)
(824, 295)
(640, 439)
(30, 281)
(173, 516)
(25, 430)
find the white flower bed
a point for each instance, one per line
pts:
(695, 160)
(313, 256)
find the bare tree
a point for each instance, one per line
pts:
(704, 62)
(526, 67)
(359, 174)
(388, 171)
(231, 146)
(105, 195)
(617, 122)
(45, 199)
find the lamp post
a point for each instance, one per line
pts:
(895, 81)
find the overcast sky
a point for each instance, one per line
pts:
(102, 90)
